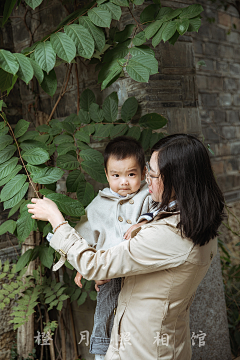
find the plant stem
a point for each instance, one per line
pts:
(78, 93)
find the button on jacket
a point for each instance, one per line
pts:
(162, 272)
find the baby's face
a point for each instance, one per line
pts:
(124, 176)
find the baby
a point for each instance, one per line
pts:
(108, 221)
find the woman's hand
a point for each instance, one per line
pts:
(100, 282)
(46, 210)
(127, 234)
(79, 277)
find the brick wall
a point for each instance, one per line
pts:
(217, 43)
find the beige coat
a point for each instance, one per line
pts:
(162, 272)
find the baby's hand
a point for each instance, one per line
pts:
(100, 282)
(127, 234)
(78, 279)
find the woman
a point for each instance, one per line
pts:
(164, 261)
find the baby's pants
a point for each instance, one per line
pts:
(99, 357)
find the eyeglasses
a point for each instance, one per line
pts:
(148, 176)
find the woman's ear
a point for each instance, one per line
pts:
(143, 173)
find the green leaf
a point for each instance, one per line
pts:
(96, 114)
(28, 135)
(24, 260)
(169, 30)
(100, 17)
(110, 107)
(11, 174)
(5, 140)
(86, 99)
(191, 11)
(21, 128)
(95, 170)
(120, 2)
(154, 138)
(82, 298)
(149, 13)
(67, 162)
(158, 37)
(49, 83)
(194, 24)
(82, 39)
(25, 71)
(93, 295)
(7, 153)
(137, 72)
(36, 156)
(82, 135)
(146, 138)
(112, 77)
(73, 179)
(134, 132)
(138, 2)
(118, 130)
(123, 35)
(63, 46)
(31, 144)
(37, 71)
(15, 208)
(13, 187)
(129, 109)
(45, 56)
(139, 39)
(97, 33)
(8, 62)
(153, 28)
(174, 38)
(15, 200)
(76, 294)
(8, 225)
(48, 176)
(102, 131)
(45, 257)
(85, 193)
(84, 117)
(64, 138)
(65, 148)
(148, 61)
(7, 167)
(33, 3)
(2, 104)
(114, 10)
(14, 79)
(92, 155)
(67, 205)
(117, 53)
(5, 80)
(8, 7)
(142, 50)
(182, 26)
(153, 120)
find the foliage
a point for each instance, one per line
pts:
(71, 139)
(85, 34)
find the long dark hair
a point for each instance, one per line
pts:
(184, 165)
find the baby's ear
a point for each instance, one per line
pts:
(144, 173)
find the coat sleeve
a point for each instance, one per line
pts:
(150, 250)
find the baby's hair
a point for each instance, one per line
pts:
(122, 147)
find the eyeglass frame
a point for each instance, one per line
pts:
(148, 176)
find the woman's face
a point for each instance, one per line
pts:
(156, 184)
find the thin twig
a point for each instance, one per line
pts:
(60, 96)
(24, 20)
(138, 24)
(30, 180)
(78, 93)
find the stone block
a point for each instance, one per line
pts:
(228, 132)
(205, 31)
(222, 66)
(233, 116)
(226, 52)
(218, 116)
(211, 49)
(236, 22)
(224, 19)
(198, 49)
(210, 65)
(211, 133)
(218, 34)
(233, 37)
(217, 167)
(178, 56)
(209, 100)
(234, 69)
(230, 84)
(231, 164)
(225, 100)
(235, 147)
(236, 99)
(185, 120)
(215, 83)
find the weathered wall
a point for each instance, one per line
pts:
(172, 92)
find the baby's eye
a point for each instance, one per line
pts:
(131, 174)
(115, 175)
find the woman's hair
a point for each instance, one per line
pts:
(122, 147)
(184, 165)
